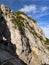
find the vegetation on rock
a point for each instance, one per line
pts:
(19, 12)
(47, 41)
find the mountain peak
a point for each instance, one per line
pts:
(4, 9)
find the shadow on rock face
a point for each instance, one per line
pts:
(7, 63)
(4, 30)
(5, 43)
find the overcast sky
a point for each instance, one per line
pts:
(37, 9)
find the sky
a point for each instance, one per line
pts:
(36, 9)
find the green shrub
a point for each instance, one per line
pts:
(47, 41)
(18, 21)
(1, 11)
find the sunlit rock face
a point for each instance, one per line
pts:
(23, 37)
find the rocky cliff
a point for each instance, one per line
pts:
(22, 41)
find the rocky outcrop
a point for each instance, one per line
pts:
(22, 37)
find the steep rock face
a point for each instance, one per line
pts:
(23, 32)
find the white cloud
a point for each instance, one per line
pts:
(43, 9)
(46, 30)
(29, 8)
(41, 15)
(35, 10)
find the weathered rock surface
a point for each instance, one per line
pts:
(22, 38)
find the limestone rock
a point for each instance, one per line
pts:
(22, 37)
